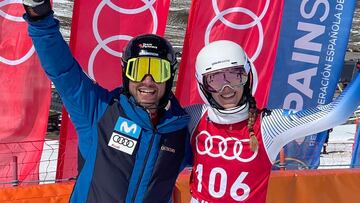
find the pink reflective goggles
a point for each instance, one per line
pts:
(234, 77)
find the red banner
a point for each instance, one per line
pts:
(252, 24)
(100, 30)
(24, 101)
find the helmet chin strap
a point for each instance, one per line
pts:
(149, 107)
(152, 107)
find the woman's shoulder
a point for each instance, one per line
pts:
(195, 109)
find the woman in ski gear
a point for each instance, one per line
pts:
(234, 144)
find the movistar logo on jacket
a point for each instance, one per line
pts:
(127, 127)
(125, 136)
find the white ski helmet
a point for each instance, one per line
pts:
(218, 55)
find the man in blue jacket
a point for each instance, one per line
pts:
(132, 139)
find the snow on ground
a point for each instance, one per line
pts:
(48, 163)
(340, 147)
(343, 133)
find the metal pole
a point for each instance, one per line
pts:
(15, 181)
(282, 160)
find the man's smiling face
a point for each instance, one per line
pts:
(147, 93)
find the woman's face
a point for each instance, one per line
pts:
(226, 85)
(229, 97)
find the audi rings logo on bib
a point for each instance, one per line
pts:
(122, 143)
(229, 148)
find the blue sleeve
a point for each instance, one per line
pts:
(83, 98)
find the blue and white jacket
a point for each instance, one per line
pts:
(126, 158)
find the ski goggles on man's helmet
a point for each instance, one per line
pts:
(216, 81)
(138, 68)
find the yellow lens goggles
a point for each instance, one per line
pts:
(138, 68)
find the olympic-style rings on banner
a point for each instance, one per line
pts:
(219, 15)
(102, 43)
(16, 19)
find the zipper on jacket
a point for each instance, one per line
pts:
(145, 162)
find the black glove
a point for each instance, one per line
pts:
(37, 9)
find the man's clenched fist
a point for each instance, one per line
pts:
(33, 3)
(37, 9)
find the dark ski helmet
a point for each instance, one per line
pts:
(150, 45)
